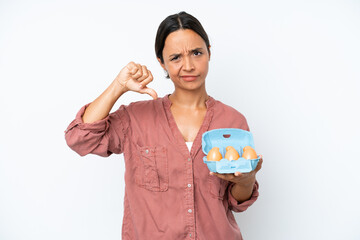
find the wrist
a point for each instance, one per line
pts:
(242, 192)
(119, 87)
(247, 184)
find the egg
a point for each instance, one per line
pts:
(249, 153)
(214, 154)
(231, 153)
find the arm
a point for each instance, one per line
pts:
(96, 131)
(244, 183)
(132, 77)
(243, 188)
(102, 105)
(241, 192)
(240, 206)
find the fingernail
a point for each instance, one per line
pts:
(140, 86)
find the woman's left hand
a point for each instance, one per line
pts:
(244, 179)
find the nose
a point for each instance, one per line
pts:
(188, 64)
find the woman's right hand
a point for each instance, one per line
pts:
(135, 77)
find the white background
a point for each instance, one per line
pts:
(291, 67)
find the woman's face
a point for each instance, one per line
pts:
(186, 59)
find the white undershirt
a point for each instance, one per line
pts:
(189, 144)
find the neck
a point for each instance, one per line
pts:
(189, 99)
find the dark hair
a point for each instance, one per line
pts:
(172, 23)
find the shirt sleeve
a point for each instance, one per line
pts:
(102, 137)
(235, 206)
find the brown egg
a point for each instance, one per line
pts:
(249, 153)
(231, 153)
(214, 154)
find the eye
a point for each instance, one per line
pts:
(174, 58)
(197, 53)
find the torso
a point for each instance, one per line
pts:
(188, 121)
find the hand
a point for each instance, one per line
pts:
(243, 179)
(135, 77)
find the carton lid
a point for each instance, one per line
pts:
(223, 137)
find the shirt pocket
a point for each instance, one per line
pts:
(152, 168)
(217, 187)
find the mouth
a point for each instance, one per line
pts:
(189, 78)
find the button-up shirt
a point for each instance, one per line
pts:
(169, 193)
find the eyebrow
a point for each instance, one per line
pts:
(177, 54)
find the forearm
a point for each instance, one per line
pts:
(242, 192)
(102, 105)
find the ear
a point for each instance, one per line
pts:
(209, 52)
(162, 65)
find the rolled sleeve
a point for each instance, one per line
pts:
(102, 137)
(236, 206)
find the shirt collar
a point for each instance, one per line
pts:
(210, 102)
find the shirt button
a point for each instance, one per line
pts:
(189, 185)
(147, 151)
(190, 234)
(189, 211)
(189, 159)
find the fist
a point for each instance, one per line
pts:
(135, 77)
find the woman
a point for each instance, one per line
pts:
(169, 192)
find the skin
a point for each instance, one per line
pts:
(184, 53)
(243, 188)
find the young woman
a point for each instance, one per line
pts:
(169, 192)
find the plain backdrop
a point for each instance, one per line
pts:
(291, 67)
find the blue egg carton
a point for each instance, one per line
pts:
(222, 138)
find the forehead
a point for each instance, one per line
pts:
(183, 40)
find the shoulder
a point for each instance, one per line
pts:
(227, 116)
(222, 108)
